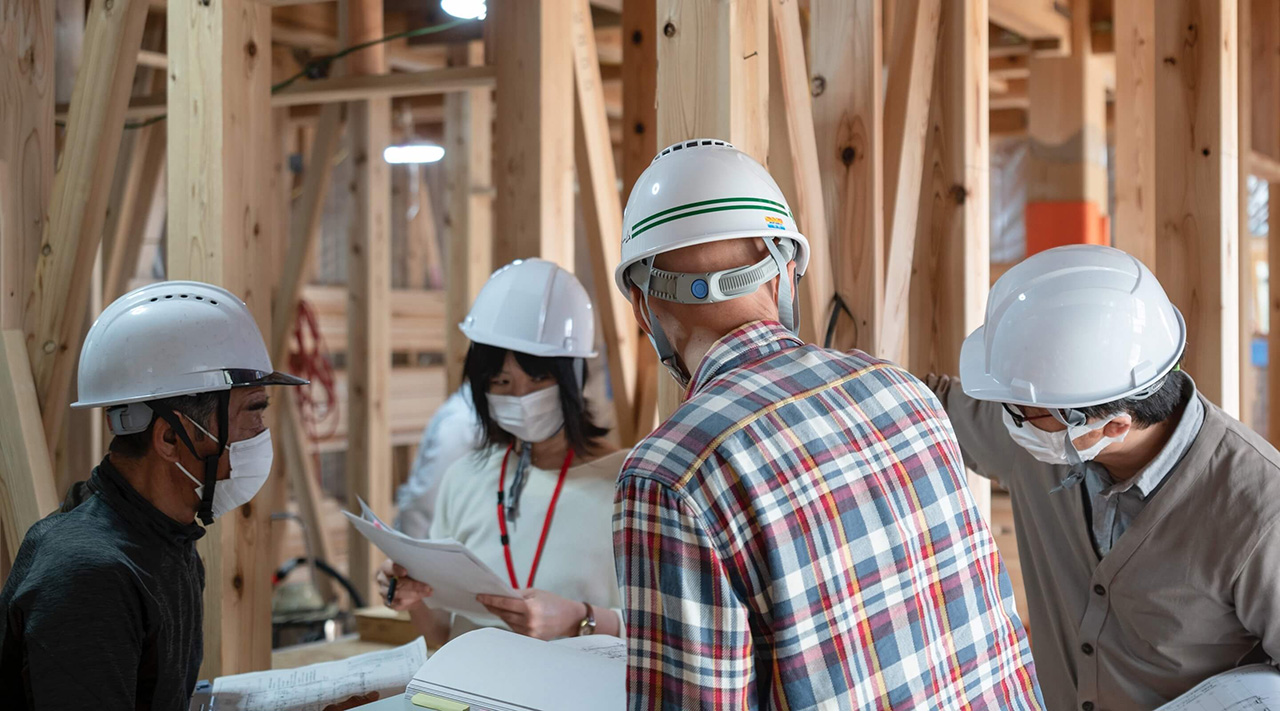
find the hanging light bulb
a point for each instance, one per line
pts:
(413, 153)
(464, 9)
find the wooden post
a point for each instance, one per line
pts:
(602, 210)
(1135, 218)
(1264, 139)
(906, 120)
(713, 82)
(639, 146)
(1244, 123)
(26, 474)
(949, 293)
(1067, 187)
(846, 48)
(1196, 185)
(817, 287)
(220, 230)
(534, 140)
(369, 279)
(468, 129)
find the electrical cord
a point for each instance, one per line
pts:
(318, 68)
(283, 571)
(838, 305)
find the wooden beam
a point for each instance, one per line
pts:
(818, 286)
(534, 131)
(1010, 66)
(847, 49)
(1135, 138)
(468, 221)
(305, 230)
(423, 268)
(1263, 166)
(220, 230)
(952, 259)
(602, 212)
(142, 187)
(1267, 81)
(384, 86)
(1263, 89)
(1036, 19)
(304, 480)
(1196, 185)
(713, 82)
(906, 121)
(416, 393)
(418, 318)
(369, 278)
(1016, 95)
(1008, 122)
(26, 473)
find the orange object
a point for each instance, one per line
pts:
(1055, 224)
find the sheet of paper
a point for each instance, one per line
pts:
(313, 687)
(497, 670)
(601, 645)
(1251, 688)
(455, 575)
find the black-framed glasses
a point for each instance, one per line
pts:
(1018, 417)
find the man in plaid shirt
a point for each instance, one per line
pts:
(798, 534)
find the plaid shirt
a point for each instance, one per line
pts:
(799, 535)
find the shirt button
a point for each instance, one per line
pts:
(1098, 589)
(1086, 648)
(1087, 706)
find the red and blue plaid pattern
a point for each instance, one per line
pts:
(799, 535)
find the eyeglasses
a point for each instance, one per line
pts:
(1016, 414)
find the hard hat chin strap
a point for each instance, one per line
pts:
(205, 512)
(667, 354)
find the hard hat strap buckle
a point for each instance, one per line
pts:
(205, 512)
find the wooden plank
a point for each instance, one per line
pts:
(906, 121)
(1244, 122)
(639, 146)
(1009, 66)
(384, 86)
(26, 146)
(534, 131)
(818, 286)
(952, 259)
(122, 247)
(1263, 88)
(1263, 166)
(1135, 137)
(713, 81)
(423, 268)
(1197, 183)
(379, 624)
(368, 462)
(469, 217)
(304, 480)
(305, 230)
(602, 211)
(847, 47)
(26, 473)
(417, 318)
(55, 307)
(1035, 19)
(1008, 122)
(220, 230)
(416, 393)
(1016, 95)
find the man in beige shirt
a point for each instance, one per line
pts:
(1146, 517)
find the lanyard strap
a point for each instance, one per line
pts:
(546, 524)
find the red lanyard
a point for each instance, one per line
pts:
(546, 524)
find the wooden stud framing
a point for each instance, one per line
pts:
(906, 121)
(713, 82)
(602, 209)
(220, 231)
(26, 474)
(951, 261)
(468, 221)
(1036, 19)
(817, 287)
(846, 47)
(1135, 218)
(534, 131)
(1196, 185)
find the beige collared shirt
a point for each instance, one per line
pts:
(1191, 589)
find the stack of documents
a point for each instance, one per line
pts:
(454, 573)
(496, 670)
(1255, 687)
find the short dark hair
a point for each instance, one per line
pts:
(199, 407)
(484, 362)
(1160, 406)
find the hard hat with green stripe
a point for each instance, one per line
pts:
(701, 191)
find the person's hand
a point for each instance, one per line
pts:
(409, 592)
(537, 613)
(353, 702)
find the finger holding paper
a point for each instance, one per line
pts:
(408, 592)
(537, 613)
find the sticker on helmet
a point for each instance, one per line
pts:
(774, 223)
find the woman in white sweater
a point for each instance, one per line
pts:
(535, 503)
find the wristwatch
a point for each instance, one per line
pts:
(588, 624)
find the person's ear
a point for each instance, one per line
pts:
(164, 441)
(1118, 426)
(637, 298)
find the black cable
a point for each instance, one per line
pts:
(319, 564)
(838, 305)
(318, 68)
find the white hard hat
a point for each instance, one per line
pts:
(533, 306)
(1073, 327)
(699, 191)
(173, 338)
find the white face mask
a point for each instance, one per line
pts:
(1051, 447)
(529, 418)
(250, 465)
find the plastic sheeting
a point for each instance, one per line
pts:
(1009, 163)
